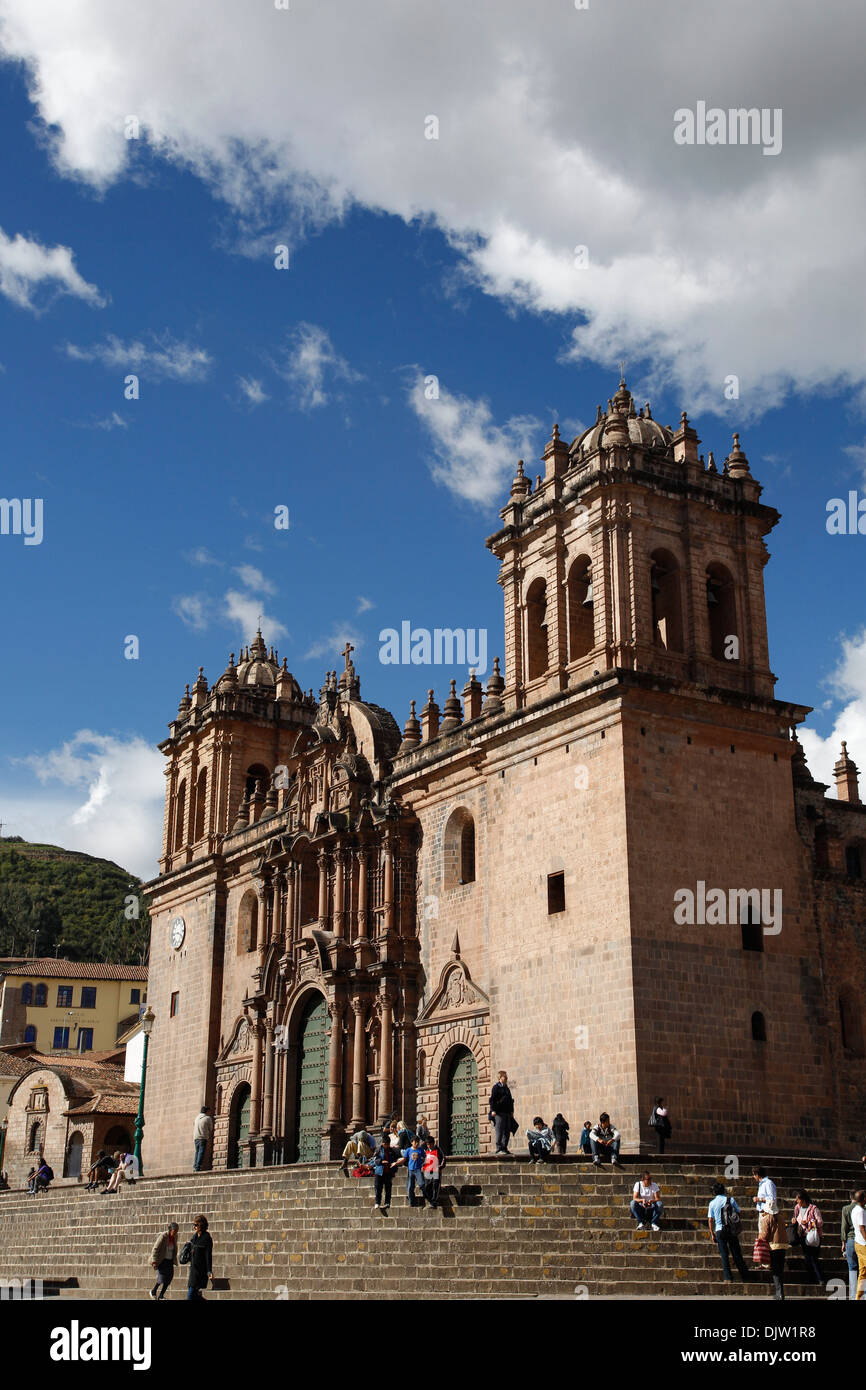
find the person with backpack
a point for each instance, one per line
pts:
(808, 1224)
(659, 1120)
(42, 1179)
(127, 1168)
(560, 1132)
(385, 1160)
(431, 1172)
(198, 1254)
(723, 1221)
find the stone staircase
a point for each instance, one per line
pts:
(505, 1229)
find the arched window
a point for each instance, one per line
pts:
(40, 997)
(458, 843)
(536, 629)
(667, 607)
(851, 1021)
(200, 805)
(581, 621)
(179, 815)
(722, 614)
(30, 1034)
(258, 781)
(248, 918)
(35, 1137)
(759, 1027)
(27, 993)
(853, 861)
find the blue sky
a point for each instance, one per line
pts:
(261, 387)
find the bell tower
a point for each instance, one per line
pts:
(633, 553)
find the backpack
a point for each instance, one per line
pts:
(730, 1219)
(48, 1175)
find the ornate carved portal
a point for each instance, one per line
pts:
(326, 1042)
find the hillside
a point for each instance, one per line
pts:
(56, 901)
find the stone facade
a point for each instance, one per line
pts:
(508, 885)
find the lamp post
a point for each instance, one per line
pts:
(147, 1022)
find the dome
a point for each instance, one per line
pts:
(643, 430)
(258, 666)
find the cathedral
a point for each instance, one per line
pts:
(353, 919)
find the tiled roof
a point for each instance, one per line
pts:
(12, 1065)
(109, 1103)
(81, 1063)
(51, 968)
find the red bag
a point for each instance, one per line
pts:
(362, 1170)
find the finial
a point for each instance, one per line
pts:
(555, 432)
(537, 481)
(622, 374)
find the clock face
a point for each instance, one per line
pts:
(178, 932)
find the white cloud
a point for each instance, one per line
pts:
(310, 363)
(28, 269)
(202, 556)
(711, 260)
(245, 612)
(98, 793)
(252, 390)
(333, 645)
(194, 610)
(365, 604)
(472, 455)
(165, 358)
(108, 422)
(252, 578)
(847, 684)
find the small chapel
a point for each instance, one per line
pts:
(354, 920)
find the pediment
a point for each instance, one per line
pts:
(457, 994)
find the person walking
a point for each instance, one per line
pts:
(202, 1133)
(660, 1122)
(723, 1221)
(809, 1224)
(766, 1199)
(605, 1140)
(431, 1172)
(848, 1245)
(414, 1161)
(502, 1113)
(646, 1203)
(200, 1260)
(385, 1160)
(560, 1132)
(163, 1258)
(777, 1241)
(858, 1221)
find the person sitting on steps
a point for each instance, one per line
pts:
(605, 1140)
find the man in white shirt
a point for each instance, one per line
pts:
(646, 1203)
(858, 1221)
(766, 1198)
(202, 1133)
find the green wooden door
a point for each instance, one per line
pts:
(463, 1104)
(239, 1156)
(312, 1082)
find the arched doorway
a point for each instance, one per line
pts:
(462, 1103)
(116, 1139)
(73, 1155)
(239, 1127)
(312, 1092)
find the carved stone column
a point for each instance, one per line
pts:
(256, 1029)
(268, 1098)
(386, 1069)
(362, 858)
(359, 1072)
(323, 889)
(388, 883)
(291, 895)
(339, 890)
(335, 1063)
